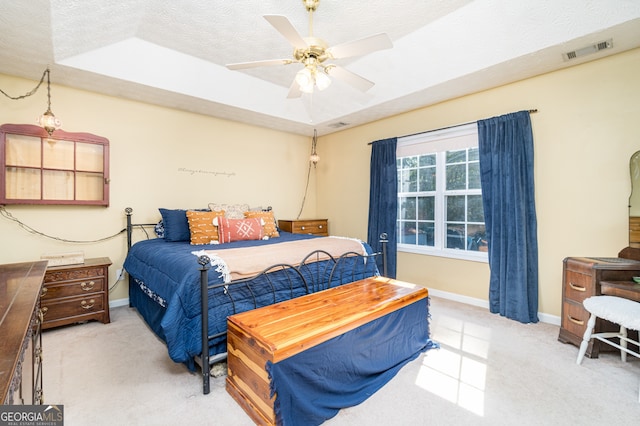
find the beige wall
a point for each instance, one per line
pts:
(149, 146)
(587, 127)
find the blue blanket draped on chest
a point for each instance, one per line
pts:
(312, 386)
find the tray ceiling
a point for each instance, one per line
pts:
(173, 52)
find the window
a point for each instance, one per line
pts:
(439, 196)
(67, 168)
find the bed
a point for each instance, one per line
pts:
(169, 277)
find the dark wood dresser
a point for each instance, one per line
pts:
(76, 293)
(20, 337)
(306, 226)
(582, 278)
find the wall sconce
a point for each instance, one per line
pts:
(314, 158)
(47, 120)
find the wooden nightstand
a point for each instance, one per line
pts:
(75, 293)
(305, 226)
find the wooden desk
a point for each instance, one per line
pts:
(582, 278)
(625, 289)
(20, 338)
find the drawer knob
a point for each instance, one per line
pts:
(89, 305)
(43, 312)
(302, 227)
(44, 291)
(577, 287)
(87, 286)
(575, 321)
(320, 226)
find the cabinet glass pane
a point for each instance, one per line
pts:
(23, 151)
(57, 185)
(89, 157)
(57, 154)
(89, 186)
(23, 184)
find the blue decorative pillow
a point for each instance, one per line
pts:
(159, 229)
(176, 225)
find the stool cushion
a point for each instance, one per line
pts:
(621, 311)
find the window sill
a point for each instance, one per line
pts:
(474, 256)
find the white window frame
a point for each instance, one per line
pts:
(440, 141)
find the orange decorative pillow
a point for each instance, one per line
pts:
(239, 229)
(270, 229)
(201, 226)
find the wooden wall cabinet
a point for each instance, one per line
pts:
(65, 168)
(581, 279)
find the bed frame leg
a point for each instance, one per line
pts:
(204, 262)
(383, 242)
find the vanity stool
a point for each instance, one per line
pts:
(623, 312)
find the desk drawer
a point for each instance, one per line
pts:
(575, 318)
(578, 286)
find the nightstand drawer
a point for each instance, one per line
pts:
(73, 288)
(72, 308)
(305, 226)
(55, 276)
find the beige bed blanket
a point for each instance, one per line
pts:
(238, 263)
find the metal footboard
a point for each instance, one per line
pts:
(317, 271)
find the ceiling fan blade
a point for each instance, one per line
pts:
(353, 79)
(256, 64)
(284, 27)
(361, 47)
(294, 91)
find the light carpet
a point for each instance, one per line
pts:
(489, 371)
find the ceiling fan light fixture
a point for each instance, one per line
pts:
(322, 80)
(305, 80)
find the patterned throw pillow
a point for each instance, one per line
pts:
(159, 229)
(238, 229)
(270, 228)
(201, 226)
(232, 211)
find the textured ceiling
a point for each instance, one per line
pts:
(173, 52)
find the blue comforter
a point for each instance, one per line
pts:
(168, 273)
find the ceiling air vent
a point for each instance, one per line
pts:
(338, 124)
(607, 44)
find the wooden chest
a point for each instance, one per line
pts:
(305, 226)
(581, 279)
(276, 332)
(75, 293)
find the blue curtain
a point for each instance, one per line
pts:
(383, 200)
(506, 172)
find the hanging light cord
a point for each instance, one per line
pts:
(33, 91)
(306, 188)
(8, 215)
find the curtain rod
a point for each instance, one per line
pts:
(531, 111)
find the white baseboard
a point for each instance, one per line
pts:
(119, 302)
(546, 318)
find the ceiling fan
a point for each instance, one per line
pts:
(313, 53)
